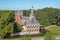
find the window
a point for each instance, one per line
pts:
(27, 30)
(27, 26)
(32, 27)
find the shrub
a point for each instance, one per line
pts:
(23, 30)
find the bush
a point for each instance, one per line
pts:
(23, 30)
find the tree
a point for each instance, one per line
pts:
(6, 23)
(26, 12)
(7, 30)
(58, 21)
(16, 27)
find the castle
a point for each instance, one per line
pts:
(29, 24)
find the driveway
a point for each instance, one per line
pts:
(37, 38)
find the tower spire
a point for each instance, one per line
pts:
(32, 11)
(32, 16)
(32, 6)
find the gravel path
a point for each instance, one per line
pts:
(36, 38)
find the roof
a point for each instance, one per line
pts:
(25, 18)
(19, 12)
(30, 21)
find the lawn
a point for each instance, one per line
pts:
(19, 38)
(22, 38)
(54, 29)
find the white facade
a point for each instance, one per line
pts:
(33, 29)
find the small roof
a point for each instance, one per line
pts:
(25, 18)
(19, 12)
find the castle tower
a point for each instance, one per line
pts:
(32, 16)
(18, 16)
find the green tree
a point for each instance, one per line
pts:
(6, 23)
(58, 21)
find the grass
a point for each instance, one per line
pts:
(54, 29)
(22, 38)
(19, 38)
